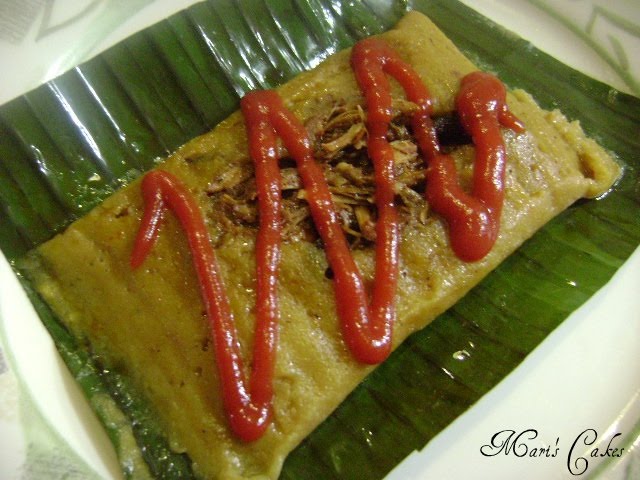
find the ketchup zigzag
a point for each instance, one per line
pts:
(367, 326)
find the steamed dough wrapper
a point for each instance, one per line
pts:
(149, 324)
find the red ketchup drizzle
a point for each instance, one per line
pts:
(366, 329)
(248, 408)
(366, 325)
(474, 219)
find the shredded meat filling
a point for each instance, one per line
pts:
(340, 138)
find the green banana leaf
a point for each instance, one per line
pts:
(68, 144)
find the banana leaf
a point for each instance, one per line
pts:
(69, 143)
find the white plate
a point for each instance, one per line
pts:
(585, 377)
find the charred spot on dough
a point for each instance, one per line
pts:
(123, 211)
